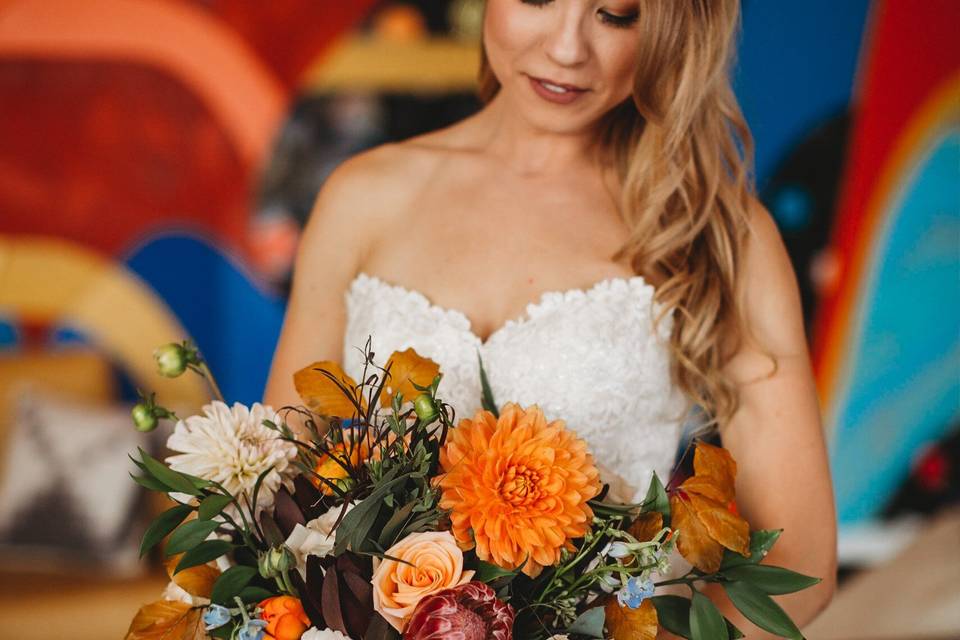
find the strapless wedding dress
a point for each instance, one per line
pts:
(589, 357)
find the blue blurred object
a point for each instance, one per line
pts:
(8, 334)
(797, 62)
(792, 207)
(234, 323)
(905, 369)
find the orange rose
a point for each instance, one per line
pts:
(286, 619)
(426, 563)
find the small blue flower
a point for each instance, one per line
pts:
(252, 630)
(215, 616)
(635, 592)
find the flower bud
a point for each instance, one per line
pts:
(276, 562)
(425, 407)
(144, 418)
(172, 359)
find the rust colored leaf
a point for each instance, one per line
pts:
(721, 524)
(166, 620)
(717, 464)
(694, 543)
(646, 526)
(624, 623)
(321, 394)
(407, 367)
(707, 487)
(197, 581)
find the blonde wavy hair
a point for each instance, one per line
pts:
(684, 154)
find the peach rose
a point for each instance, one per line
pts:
(285, 617)
(432, 562)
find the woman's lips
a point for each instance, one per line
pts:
(555, 92)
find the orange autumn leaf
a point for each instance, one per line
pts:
(321, 394)
(167, 620)
(646, 526)
(724, 526)
(700, 510)
(624, 623)
(197, 581)
(694, 542)
(406, 368)
(717, 464)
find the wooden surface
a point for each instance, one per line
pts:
(914, 597)
(50, 608)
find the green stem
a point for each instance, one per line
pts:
(204, 370)
(243, 609)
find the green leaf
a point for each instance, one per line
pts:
(656, 499)
(231, 582)
(487, 398)
(162, 526)
(189, 535)
(392, 529)
(212, 505)
(761, 542)
(175, 480)
(706, 623)
(589, 623)
(151, 483)
(769, 579)
(354, 529)
(761, 610)
(203, 553)
(256, 487)
(673, 614)
(487, 572)
(255, 594)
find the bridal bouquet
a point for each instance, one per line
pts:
(376, 515)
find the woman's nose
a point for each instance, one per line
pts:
(566, 43)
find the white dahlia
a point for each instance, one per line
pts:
(231, 446)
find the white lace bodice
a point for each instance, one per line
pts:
(589, 357)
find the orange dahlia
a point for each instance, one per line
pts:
(517, 487)
(333, 465)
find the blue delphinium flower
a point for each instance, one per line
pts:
(215, 616)
(252, 630)
(635, 592)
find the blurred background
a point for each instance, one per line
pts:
(158, 159)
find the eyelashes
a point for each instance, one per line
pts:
(613, 19)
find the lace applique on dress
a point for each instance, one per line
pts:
(590, 357)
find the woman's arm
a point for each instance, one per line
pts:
(330, 253)
(776, 436)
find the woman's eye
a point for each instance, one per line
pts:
(613, 19)
(618, 20)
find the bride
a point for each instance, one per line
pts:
(591, 232)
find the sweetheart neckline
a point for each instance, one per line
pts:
(530, 310)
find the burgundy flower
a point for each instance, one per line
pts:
(470, 611)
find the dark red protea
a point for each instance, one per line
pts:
(470, 611)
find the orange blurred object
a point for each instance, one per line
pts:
(399, 22)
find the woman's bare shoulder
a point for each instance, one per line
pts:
(365, 182)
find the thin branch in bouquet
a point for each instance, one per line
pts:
(674, 473)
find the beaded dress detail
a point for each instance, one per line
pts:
(590, 357)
